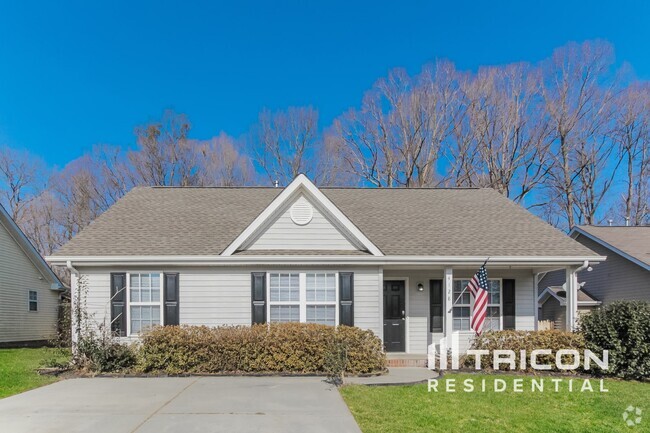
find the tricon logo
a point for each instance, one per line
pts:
(632, 416)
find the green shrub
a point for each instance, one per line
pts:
(275, 348)
(528, 341)
(622, 328)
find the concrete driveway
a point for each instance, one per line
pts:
(193, 404)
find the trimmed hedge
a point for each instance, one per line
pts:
(623, 328)
(275, 348)
(528, 341)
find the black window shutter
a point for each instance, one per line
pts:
(118, 304)
(435, 300)
(508, 304)
(346, 298)
(258, 295)
(171, 299)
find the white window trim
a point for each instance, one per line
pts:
(29, 301)
(136, 304)
(302, 303)
(471, 304)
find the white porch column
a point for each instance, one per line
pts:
(571, 298)
(449, 300)
(535, 303)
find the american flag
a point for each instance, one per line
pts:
(478, 286)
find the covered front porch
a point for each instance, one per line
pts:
(422, 306)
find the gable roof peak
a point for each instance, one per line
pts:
(301, 184)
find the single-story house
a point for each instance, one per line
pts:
(29, 290)
(394, 261)
(625, 275)
(552, 305)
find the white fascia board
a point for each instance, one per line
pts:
(301, 181)
(324, 260)
(578, 231)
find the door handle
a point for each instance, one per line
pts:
(403, 315)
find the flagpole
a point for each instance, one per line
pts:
(463, 292)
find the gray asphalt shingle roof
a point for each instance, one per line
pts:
(433, 222)
(633, 241)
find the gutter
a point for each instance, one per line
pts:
(331, 260)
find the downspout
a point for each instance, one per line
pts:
(584, 266)
(74, 271)
(572, 296)
(74, 305)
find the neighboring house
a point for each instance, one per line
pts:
(625, 275)
(389, 260)
(552, 305)
(29, 290)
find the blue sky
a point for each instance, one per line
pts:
(75, 74)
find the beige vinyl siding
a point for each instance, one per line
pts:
(222, 296)
(18, 275)
(368, 286)
(284, 234)
(613, 280)
(215, 297)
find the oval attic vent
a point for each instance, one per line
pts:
(301, 212)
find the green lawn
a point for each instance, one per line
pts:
(414, 409)
(18, 369)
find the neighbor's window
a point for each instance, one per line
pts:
(33, 300)
(303, 297)
(144, 301)
(464, 304)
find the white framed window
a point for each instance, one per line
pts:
(321, 298)
(284, 297)
(309, 297)
(144, 294)
(33, 300)
(464, 305)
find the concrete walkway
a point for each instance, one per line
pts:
(395, 376)
(192, 404)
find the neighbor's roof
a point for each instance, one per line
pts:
(28, 248)
(159, 221)
(631, 242)
(583, 296)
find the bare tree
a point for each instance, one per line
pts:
(41, 223)
(222, 164)
(576, 95)
(395, 138)
(287, 143)
(78, 189)
(21, 179)
(632, 134)
(504, 140)
(165, 155)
